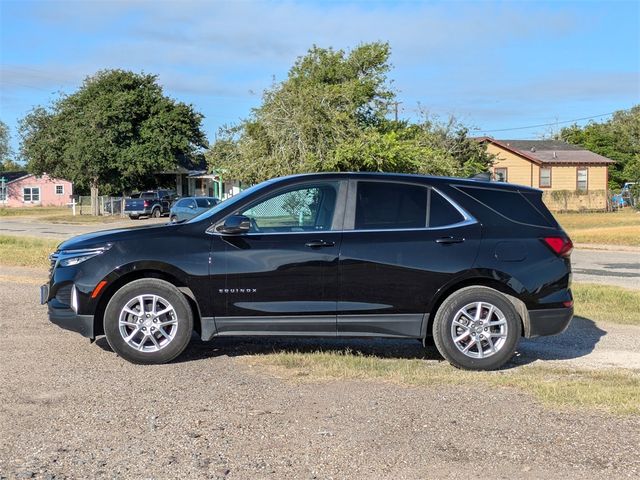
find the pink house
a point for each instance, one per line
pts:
(22, 189)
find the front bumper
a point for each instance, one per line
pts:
(65, 317)
(550, 321)
(70, 320)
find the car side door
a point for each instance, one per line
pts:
(281, 277)
(402, 242)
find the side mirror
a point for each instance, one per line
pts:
(236, 224)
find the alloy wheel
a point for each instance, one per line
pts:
(479, 330)
(148, 323)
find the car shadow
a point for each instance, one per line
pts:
(246, 346)
(577, 341)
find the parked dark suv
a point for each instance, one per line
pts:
(473, 265)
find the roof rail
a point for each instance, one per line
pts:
(481, 177)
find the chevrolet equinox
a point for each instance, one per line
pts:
(470, 265)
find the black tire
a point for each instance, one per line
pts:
(155, 213)
(444, 336)
(134, 217)
(182, 318)
(172, 218)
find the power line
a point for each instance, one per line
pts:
(545, 124)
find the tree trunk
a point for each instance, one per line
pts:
(95, 208)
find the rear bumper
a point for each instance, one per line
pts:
(70, 320)
(550, 321)
(137, 212)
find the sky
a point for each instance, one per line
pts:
(497, 66)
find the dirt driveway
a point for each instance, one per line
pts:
(69, 409)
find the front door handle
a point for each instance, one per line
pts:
(319, 244)
(449, 240)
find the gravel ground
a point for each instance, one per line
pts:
(69, 409)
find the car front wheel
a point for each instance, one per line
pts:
(148, 321)
(477, 328)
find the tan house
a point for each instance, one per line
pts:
(571, 177)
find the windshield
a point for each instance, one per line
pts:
(226, 203)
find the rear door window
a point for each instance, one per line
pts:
(383, 206)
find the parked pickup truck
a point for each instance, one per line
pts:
(154, 203)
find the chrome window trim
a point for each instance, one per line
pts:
(464, 223)
(468, 218)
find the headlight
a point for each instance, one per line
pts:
(68, 258)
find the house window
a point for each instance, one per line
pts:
(59, 189)
(31, 194)
(500, 174)
(582, 179)
(545, 177)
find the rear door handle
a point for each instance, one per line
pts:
(319, 244)
(448, 240)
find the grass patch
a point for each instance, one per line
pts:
(82, 219)
(627, 235)
(604, 303)
(57, 215)
(613, 391)
(613, 228)
(26, 252)
(33, 211)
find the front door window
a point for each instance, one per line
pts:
(306, 209)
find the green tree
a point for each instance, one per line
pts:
(617, 139)
(7, 162)
(112, 134)
(331, 114)
(5, 148)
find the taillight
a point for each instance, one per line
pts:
(146, 203)
(561, 246)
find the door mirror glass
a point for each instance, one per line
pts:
(236, 224)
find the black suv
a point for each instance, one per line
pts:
(472, 265)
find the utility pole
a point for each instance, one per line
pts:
(395, 108)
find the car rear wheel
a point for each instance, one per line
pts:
(148, 321)
(155, 213)
(134, 217)
(173, 219)
(477, 328)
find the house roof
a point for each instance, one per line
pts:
(13, 176)
(550, 152)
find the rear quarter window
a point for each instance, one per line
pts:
(441, 212)
(516, 206)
